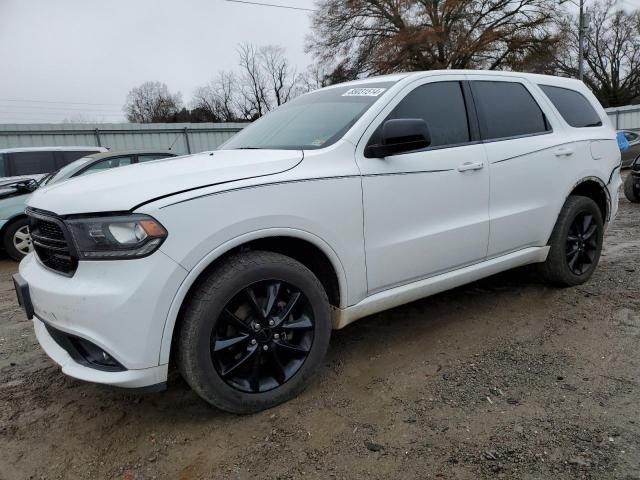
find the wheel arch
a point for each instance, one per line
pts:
(309, 249)
(595, 189)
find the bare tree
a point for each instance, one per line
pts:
(381, 36)
(218, 98)
(282, 78)
(152, 102)
(612, 56)
(315, 77)
(253, 83)
(266, 80)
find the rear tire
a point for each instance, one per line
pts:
(576, 243)
(254, 332)
(16, 239)
(630, 191)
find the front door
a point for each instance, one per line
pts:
(426, 212)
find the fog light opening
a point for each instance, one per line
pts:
(95, 356)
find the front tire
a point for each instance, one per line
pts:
(632, 193)
(576, 243)
(254, 332)
(16, 240)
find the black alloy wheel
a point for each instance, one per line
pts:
(254, 331)
(575, 243)
(582, 243)
(263, 336)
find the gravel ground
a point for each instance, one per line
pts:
(503, 378)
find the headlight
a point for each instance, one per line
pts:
(117, 237)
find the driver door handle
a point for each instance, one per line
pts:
(465, 167)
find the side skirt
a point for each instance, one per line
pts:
(429, 286)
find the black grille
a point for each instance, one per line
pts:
(51, 244)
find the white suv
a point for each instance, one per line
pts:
(234, 265)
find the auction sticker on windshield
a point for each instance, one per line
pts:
(363, 92)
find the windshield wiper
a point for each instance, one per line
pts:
(248, 148)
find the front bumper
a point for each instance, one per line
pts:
(120, 306)
(127, 379)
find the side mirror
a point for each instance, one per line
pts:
(27, 186)
(399, 136)
(31, 185)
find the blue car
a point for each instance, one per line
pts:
(14, 225)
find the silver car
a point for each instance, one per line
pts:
(629, 155)
(14, 225)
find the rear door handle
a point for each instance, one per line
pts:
(564, 152)
(471, 166)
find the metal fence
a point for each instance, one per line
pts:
(181, 137)
(625, 118)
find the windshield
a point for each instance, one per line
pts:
(312, 121)
(64, 172)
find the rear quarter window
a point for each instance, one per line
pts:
(30, 163)
(573, 106)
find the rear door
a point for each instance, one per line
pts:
(528, 151)
(427, 211)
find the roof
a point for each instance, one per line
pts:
(396, 77)
(52, 149)
(120, 153)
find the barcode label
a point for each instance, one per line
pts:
(363, 92)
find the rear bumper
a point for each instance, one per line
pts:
(613, 188)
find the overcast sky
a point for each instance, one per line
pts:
(59, 58)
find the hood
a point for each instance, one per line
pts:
(124, 188)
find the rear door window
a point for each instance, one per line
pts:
(507, 109)
(30, 163)
(155, 156)
(66, 157)
(107, 164)
(573, 106)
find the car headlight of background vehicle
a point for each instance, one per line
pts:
(116, 237)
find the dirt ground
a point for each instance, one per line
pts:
(503, 378)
